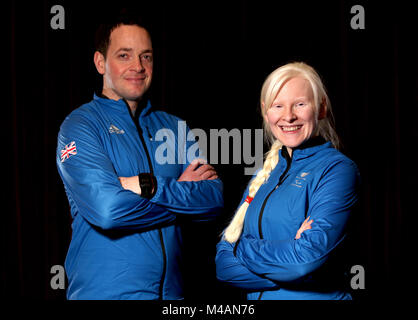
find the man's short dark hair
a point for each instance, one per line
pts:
(102, 37)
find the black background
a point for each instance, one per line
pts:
(211, 58)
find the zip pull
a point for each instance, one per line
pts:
(149, 134)
(146, 130)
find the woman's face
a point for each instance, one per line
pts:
(292, 117)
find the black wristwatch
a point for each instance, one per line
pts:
(148, 184)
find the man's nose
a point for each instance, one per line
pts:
(137, 65)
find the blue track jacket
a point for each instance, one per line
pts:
(318, 181)
(124, 246)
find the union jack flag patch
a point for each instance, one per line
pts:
(68, 151)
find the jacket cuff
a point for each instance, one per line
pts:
(160, 184)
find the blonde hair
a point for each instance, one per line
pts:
(325, 128)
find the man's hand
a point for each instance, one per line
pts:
(192, 173)
(195, 173)
(130, 183)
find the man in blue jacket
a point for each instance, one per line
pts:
(126, 241)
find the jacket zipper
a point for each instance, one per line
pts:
(160, 233)
(160, 292)
(282, 178)
(139, 130)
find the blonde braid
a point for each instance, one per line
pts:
(233, 231)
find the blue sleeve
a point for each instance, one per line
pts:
(189, 197)
(330, 206)
(92, 183)
(229, 269)
(201, 198)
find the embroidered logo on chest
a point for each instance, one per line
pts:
(300, 179)
(114, 129)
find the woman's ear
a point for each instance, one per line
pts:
(264, 111)
(323, 110)
(100, 62)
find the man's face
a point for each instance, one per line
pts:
(127, 69)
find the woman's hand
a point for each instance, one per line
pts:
(306, 225)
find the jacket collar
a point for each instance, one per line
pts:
(120, 105)
(308, 148)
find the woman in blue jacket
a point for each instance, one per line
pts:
(293, 216)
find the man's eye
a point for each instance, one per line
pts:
(123, 55)
(147, 57)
